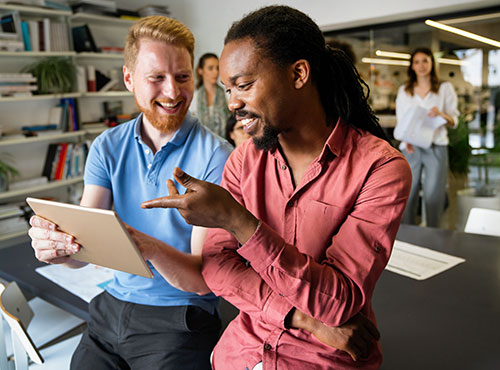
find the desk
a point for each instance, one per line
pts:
(18, 263)
(450, 321)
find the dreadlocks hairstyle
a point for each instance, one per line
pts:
(284, 35)
(412, 77)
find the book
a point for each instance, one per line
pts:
(26, 35)
(81, 79)
(34, 35)
(39, 127)
(83, 40)
(11, 45)
(17, 77)
(46, 34)
(111, 84)
(61, 160)
(49, 160)
(100, 80)
(91, 79)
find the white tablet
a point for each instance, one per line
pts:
(104, 239)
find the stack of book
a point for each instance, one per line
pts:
(65, 160)
(12, 219)
(99, 7)
(15, 84)
(45, 35)
(69, 115)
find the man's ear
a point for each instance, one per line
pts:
(301, 73)
(127, 79)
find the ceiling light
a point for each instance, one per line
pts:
(392, 54)
(385, 61)
(460, 32)
(452, 61)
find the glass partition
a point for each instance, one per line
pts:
(466, 47)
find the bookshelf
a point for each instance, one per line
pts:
(29, 153)
(6, 195)
(39, 54)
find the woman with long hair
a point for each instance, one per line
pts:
(209, 101)
(429, 166)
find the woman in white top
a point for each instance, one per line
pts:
(209, 101)
(429, 166)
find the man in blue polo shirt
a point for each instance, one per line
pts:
(170, 321)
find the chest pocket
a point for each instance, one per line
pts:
(317, 223)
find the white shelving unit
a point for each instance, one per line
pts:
(40, 188)
(29, 153)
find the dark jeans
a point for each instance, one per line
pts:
(123, 335)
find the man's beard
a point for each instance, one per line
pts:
(164, 124)
(268, 140)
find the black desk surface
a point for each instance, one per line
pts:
(450, 321)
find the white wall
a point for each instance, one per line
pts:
(210, 19)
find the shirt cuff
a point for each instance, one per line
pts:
(262, 248)
(276, 310)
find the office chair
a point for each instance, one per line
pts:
(483, 221)
(20, 317)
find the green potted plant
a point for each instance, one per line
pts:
(6, 173)
(54, 75)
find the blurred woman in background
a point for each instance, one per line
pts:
(235, 133)
(209, 101)
(429, 166)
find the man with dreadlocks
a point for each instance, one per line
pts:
(304, 222)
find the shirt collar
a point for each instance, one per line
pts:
(180, 135)
(336, 139)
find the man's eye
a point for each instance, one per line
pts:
(243, 86)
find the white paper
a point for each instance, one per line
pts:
(419, 263)
(85, 282)
(417, 128)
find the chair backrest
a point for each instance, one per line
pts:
(483, 221)
(18, 314)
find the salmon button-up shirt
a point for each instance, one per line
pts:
(320, 247)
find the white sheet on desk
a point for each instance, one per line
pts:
(85, 282)
(419, 263)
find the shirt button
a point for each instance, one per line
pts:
(377, 248)
(149, 166)
(147, 151)
(268, 347)
(283, 167)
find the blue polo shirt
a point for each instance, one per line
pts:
(120, 161)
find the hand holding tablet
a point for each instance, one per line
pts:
(102, 235)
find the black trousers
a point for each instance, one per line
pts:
(124, 335)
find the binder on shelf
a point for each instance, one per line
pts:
(34, 35)
(83, 40)
(26, 35)
(49, 160)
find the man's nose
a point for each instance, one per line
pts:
(234, 102)
(170, 88)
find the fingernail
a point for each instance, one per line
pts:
(69, 239)
(74, 248)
